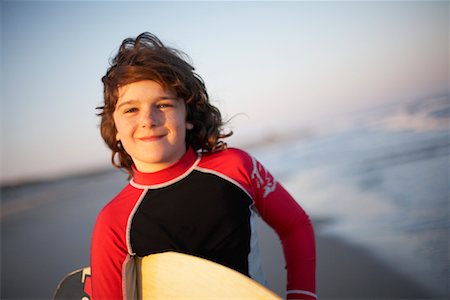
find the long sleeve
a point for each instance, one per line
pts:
(107, 257)
(293, 226)
(111, 261)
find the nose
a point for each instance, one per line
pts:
(150, 118)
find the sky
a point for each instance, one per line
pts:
(268, 66)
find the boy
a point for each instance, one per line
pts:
(188, 192)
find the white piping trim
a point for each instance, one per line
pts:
(130, 219)
(138, 186)
(205, 170)
(254, 257)
(301, 292)
(167, 183)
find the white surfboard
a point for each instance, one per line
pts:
(173, 275)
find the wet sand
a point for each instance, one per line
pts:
(43, 239)
(344, 270)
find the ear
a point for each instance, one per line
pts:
(189, 125)
(117, 137)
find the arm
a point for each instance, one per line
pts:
(108, 254)
(277, 207)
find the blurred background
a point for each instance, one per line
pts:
(346, 102)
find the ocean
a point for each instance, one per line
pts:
(386, 190)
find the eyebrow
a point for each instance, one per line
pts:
(133, 101)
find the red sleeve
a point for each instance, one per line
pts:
(277, 207)
(109, 251)
(107, 257)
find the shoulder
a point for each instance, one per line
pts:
(119, 206)
(109, 237)
(232, 164)
(233, 157)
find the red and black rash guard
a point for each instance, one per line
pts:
(204, 205)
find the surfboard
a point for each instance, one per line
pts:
(174, 275)
(75, 285)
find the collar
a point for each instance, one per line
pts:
(166, 176)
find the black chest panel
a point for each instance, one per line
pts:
(202, 214)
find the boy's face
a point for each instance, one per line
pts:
(151, 124)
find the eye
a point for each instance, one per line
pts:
(164, 105)
(130, 110)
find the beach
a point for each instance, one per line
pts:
(377, 193)
(46, 234)
(344, 270)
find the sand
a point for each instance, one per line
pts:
(46, 239)
(344, 270)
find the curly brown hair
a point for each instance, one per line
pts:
(147, 58)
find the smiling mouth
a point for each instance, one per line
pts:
(152, 138)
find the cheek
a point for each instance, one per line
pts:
(120, 128)
(177, 121)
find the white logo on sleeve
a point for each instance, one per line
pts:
(263, 178)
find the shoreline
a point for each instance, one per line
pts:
(344, 270)
(42, 243)
(348, 271)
